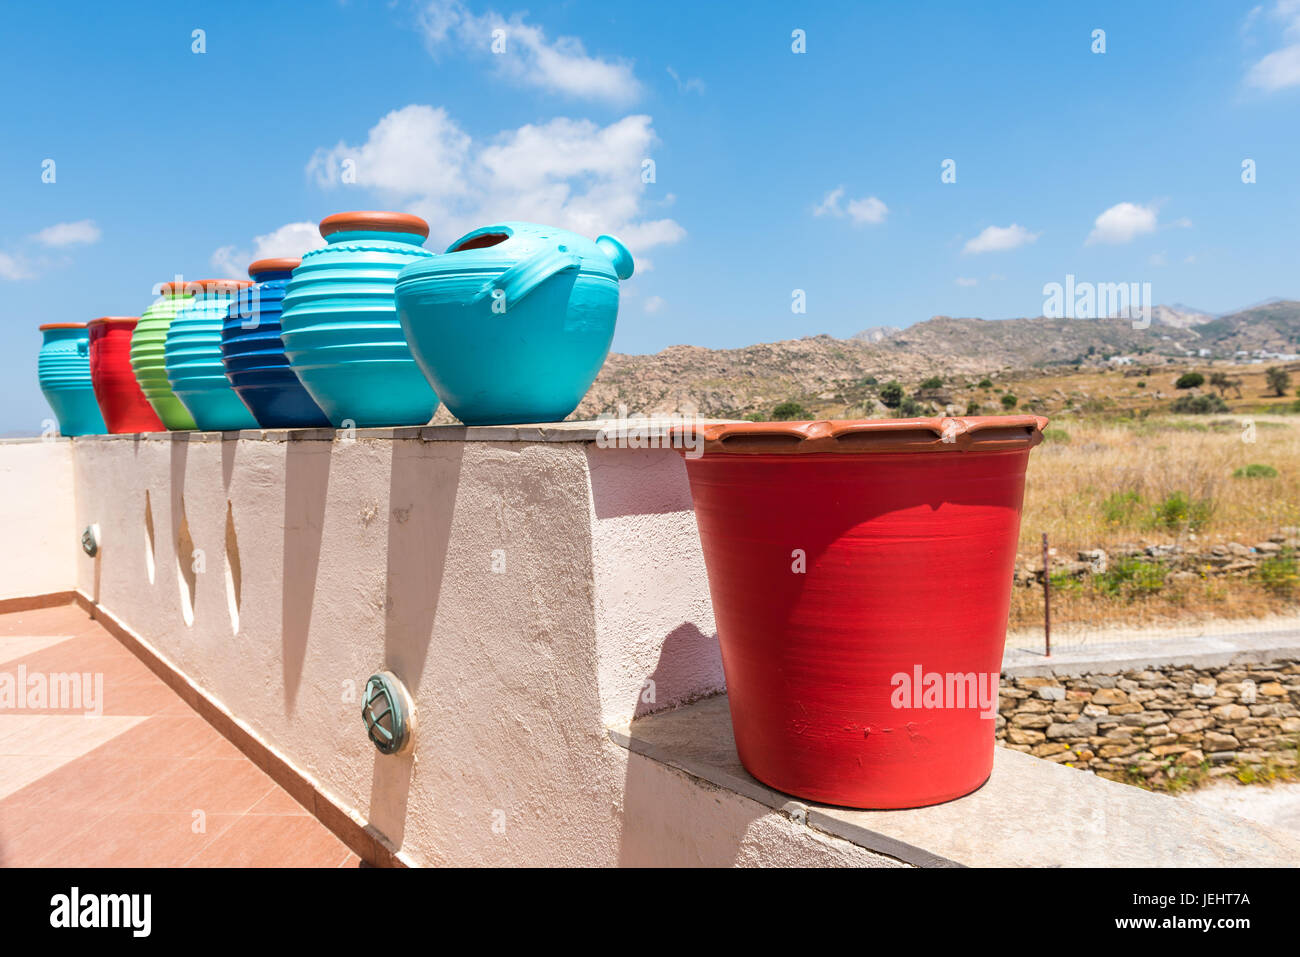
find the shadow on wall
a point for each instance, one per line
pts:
(181, 539)
(668, 819)
(421, 506)
(306, 485)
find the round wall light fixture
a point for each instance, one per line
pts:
(388, 713)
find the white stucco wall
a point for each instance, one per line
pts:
(379, 553)
(38, 535)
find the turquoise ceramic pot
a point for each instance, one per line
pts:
(340, 328)
(514, 321)
(63, 367)
(193, 358)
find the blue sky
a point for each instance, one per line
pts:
(773, 170)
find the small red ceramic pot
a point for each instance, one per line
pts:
(120, 397)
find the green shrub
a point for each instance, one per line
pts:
(755, 417)
(1179, 511)
(934, 382)
(972, 408)
(1189, 380)
(1130, 578)
(1279, 380)
(1255, 470)
(1065, 583)
(891, 394)
(986, 383)
(1141, 383)
(909, 408)
(1199, 404)
(1056, 435)
(1120, 508)
(1008, 401)
(789, 410)
(1278, 572)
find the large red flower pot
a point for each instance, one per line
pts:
(120, 397)
(861, 575)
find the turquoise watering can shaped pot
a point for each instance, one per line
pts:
(514, 321)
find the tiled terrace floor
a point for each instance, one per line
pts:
(149, 783)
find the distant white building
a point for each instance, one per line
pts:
(1122, 360)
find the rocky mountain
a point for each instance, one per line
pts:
(1271, 327)
(1179, 317)
(845, 372)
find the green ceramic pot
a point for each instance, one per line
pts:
(147, 355)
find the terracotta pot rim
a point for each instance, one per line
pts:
(281, 264)
(379, 221)
(207, 285)
(937, 434)
(60, 325)
(110, 320)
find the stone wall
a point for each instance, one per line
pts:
(1164, 726)
(1174, 563)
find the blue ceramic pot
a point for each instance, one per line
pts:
(63, 367)
(254, 354)
(193, 358)
(340, 328)
(514, 321)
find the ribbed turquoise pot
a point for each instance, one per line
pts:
(63, 367)
(193, 357)
(339, 323)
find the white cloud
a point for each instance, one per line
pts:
(1123, 223)
(869, 210)
(996, 239)
(963, 281)
(290, 240)
(417, 149)
(1250, 19)
(654, 304)
(13, 269)
(83, 231)
(830, 205)
(1281, 68)
(574, 174)
(694, 84)
(529, 57)
(1158, 259)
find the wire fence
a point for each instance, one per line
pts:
(1187, 586)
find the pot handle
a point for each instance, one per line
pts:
(523, 277)
(83, 347)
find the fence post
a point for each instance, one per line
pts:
(1047, 600)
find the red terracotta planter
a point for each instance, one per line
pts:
(120, 398)
(861, 575)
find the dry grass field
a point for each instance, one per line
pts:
(1217, 487)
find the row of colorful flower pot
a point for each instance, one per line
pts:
(510, 325)
(859, 571)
